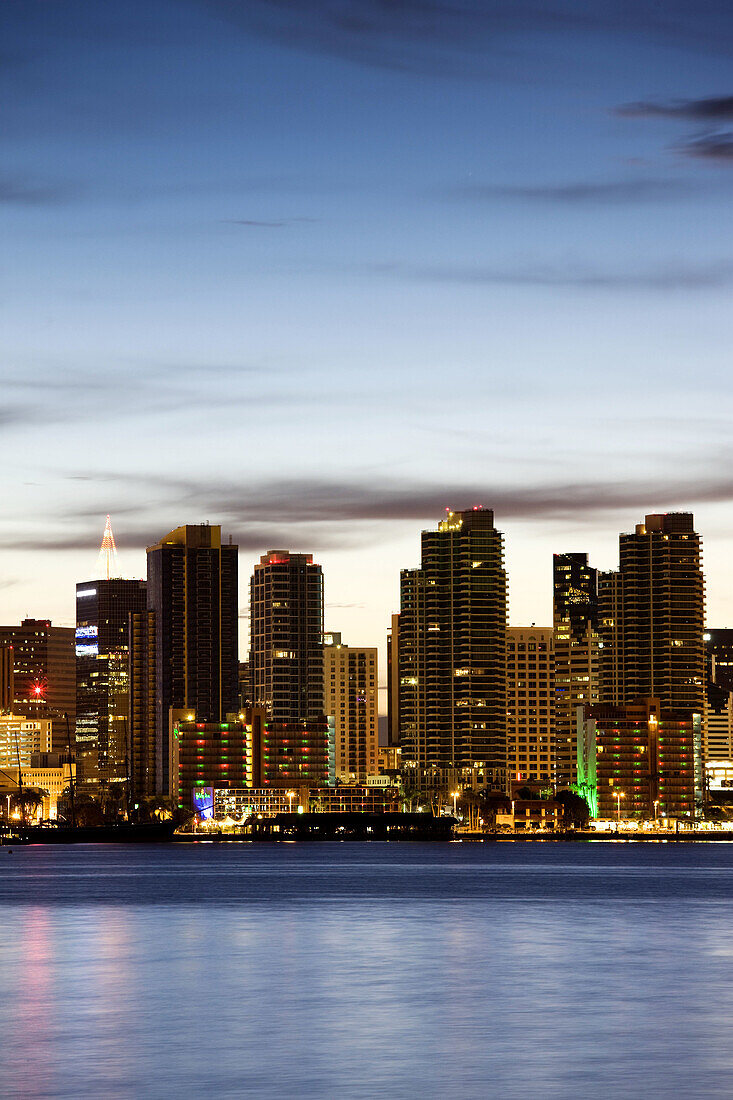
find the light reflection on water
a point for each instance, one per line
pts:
(367, 970)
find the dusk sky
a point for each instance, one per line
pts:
(316, 271)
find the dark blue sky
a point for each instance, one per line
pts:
(316, 271)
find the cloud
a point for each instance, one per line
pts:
(715, 147)
(672, 276)
(474, 37)
(19, 191)
(711, 109)
(318, 515)
(267, 225)
(610, 192)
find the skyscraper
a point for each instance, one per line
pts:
(452, 649)
(350, 690)
(184, 652)
(44, 674)
(530, 696)
(286, 636)
(651, 622)
(575, 625)
(103, 609)
(652, 616)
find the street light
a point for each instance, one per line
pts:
(656, 807)
(618, 795)
(455, 796)
(290, 795)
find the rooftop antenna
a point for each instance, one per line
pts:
(108, 549)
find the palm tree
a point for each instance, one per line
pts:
(28, 800)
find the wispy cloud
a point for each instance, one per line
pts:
(582, 193)
(710, 109)
(255, 224)
(672, 276)
(321, 515)
(26, 191)
(714, 147)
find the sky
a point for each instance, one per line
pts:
(318, 271)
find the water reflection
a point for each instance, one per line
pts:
(369, 970)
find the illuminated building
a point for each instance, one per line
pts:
(184, 651)
(719, 657)
(103, 609)
(286, 636)
(212, 754)
(7, 678)
(51, 773)
(575, 626)
(452, 650)
(393, 682)
(294, 754)
(44, 674)
(530, 681)
(640, 761)
(21, 737)
(651, 616)
(350, 690)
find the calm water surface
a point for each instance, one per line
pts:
(367, 970)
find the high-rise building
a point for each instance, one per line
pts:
(103, 609)
(640, 761)
(530, 678)
(719, 657)
(575, 625)
(452, 649)
(350, 691)
(7, 678)
(184, 647)
(44, 675)
(286, 637)
(393, 682)
(651, 622)
(652, 615)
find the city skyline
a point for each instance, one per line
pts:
(245, 288)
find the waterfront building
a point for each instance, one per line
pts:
(350, 692)
(50, 773)
(44, 674)
(652, 614)
(296, 754)
(575, 627)
(640, 761)
(651, 622)
(286, 637)
(452, 650)
(103, 609)
(212, 754)
(719, 657)
(530, 685)
(184, 647)
(21, 737)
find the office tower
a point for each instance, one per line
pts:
(639, 761)
(103, 608)
(575, 625)
(530, 681)
(652, 615)
(286, 635)
(452, 649)
(245, 686)
(44, 674)
(718, 723)
(21, 737)
(393, 682)
(350, 690)
(7, 678)
(184, 648)
(719, 657)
